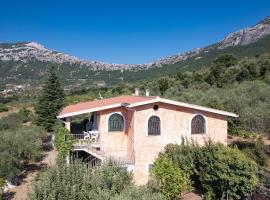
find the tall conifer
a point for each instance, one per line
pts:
(50, 101)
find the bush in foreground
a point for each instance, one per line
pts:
(226, 172)
(214, 169)
(170, 180)
(78, 181)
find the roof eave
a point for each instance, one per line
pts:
(61, 116)
(192, 106)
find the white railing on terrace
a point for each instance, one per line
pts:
(87, 136)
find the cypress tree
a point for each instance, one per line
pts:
(50, 101)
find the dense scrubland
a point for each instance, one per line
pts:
(239, 85)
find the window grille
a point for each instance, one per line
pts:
(116, 122)
(154, 125)
(198, 125)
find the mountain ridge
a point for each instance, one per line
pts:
(23, 61)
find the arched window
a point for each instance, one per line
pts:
(154, 125)
(198, 125)
(116, 122)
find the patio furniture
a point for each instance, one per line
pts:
(93, 134)
(86, 135)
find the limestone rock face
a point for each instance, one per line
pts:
(247, 35)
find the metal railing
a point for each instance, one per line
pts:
(86, 138)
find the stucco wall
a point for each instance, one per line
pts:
(116, 144)
(134, 145)
(175, 124)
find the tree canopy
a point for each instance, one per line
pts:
(50, 101)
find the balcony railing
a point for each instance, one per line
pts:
(86, 138)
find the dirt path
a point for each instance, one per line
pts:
(21, 191)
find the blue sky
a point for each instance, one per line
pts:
(123, 31)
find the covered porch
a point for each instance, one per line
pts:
(85, 132)
(84, 127)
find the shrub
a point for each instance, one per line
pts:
(169, 179)
(183, 156)
(14, 120)
(25, 115)
(225, 171)
(246, 134)
(2, 184)
(3, 107)
(24, 144)
(77, 181)
(256, 150)
(217, 170)
(138, 193)
(63, 141)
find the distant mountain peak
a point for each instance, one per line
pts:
(35, 45)
(247, 35)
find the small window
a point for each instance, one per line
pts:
(116, 122)
(198, 125)
(154, 125)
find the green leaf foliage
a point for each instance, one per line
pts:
(2, 184)
(256, 150)
(169, 179)
(63, 141)
(3, 107)
(78, 181)
(217, 170)
(50, 102)
(225, 171)
(16, 146)
(15, 120)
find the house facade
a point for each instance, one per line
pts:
(134, 129)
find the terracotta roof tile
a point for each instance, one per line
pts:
(103, 102)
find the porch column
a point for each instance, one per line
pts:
(68, 123)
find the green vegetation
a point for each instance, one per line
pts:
(254, 149)
(239, 86)
(78, 181)
(229, 83)
(2, 184)
(3, 107)
(214, 169)
(63, 142)
(19, 143)
(33, 71)
(15, 120)
(235, 79)
(170, 180)
(50, 102)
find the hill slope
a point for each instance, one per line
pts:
(27, 63)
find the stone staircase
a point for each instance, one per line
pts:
(93, 149)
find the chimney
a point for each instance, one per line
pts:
(137, 92)
(147, 92)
